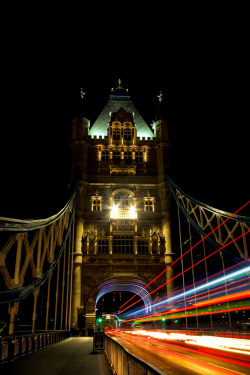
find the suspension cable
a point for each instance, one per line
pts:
(21, 293)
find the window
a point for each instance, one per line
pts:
(123, 244)
(149, 203)
(127, 155)
(143, 247)
(149, 206)
(139, 156)
(105, 155)
(96, 205)
(103, 246)
(127, 134)
(116, 156)
(123, 200)
(96, 202)
(117, 134)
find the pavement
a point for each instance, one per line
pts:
(72, 356)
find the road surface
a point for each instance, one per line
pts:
(173, 357)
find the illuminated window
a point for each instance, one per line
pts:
(103, 246)
(116, 156)
(149, 206)
(127, 134)
(139, 156)
(96, 205)
(105, 155)
(142, 247)
(123, 199)
(123, 244)
(149, 203)
(127, 155)
(96, 201)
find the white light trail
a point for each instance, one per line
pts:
(229, 344)
(193, 291)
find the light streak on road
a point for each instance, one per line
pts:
(228, 344)
(189, 268)
(230, 295)
(180, 315)
(171, 265)
(201, 354)
(167, 298)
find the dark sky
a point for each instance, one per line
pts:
(207, 116)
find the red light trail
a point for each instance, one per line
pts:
(203, 293)
(182, 257)
(200, 261)
(172, 351)
(200, 281)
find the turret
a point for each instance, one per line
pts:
(162, 136)
(163, 165)
(79, 165)
(79, 146)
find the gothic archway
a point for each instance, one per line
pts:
(119, 283)
(124, 284)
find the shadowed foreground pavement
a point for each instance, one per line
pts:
(72, 356)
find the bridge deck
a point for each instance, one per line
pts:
(72, 356)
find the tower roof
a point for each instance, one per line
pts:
(118, 98)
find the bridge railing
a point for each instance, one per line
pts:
(36, 269)
(124, 363)
(17, 346)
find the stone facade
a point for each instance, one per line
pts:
(123, 217)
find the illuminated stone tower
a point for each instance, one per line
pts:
(123, 222)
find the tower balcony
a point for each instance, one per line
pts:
(122, 170)
(117, 213)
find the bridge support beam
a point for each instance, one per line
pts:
(77, 271)
(13, 310)
(90, 317)
(165, 195)
(166, 228)
(35, 294)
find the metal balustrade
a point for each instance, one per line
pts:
(13, 347)
(123, 214)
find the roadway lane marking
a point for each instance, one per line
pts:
(236, 372)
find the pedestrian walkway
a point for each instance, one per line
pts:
(72, 356)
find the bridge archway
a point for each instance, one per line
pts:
(117, 284)
(125, 284)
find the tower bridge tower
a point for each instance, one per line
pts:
(123, 221)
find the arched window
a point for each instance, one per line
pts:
(96, 205)
(127, 134)
(116, 134)
(123, 199)
(123, 244)
(96, 201)
(149, 205)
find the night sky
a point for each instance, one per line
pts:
(207, 118)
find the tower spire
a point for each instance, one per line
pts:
(120, 84)
(119, 90)
(162, 107)
(82, 93)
